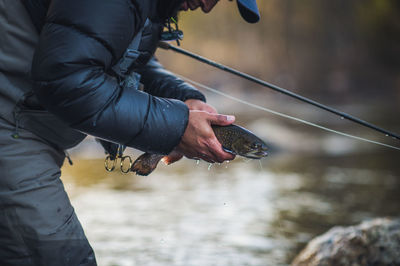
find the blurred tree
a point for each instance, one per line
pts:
(342, 51)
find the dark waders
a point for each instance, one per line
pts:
(38, 225)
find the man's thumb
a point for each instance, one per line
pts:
(221, 120)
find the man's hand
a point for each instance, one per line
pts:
(200, 106)
(199, 140)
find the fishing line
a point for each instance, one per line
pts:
(167, 46)
(284, 115)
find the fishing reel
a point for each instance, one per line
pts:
(172, 33)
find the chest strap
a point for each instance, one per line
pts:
(131, 54)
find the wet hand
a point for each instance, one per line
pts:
(199, 140)
(194, 104)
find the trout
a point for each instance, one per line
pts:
(233, 138)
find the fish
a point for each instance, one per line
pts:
(233, 138)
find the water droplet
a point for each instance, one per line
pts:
(387, 135)
(209, 166)
(342, 117)
(197, 162)
(246, 160)
(261, 167)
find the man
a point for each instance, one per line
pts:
(71, 68)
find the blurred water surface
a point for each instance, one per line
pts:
(344, 53)
(237, 213)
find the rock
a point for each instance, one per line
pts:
(375, 242)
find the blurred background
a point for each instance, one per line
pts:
(342, 53)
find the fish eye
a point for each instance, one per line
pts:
(255, 145)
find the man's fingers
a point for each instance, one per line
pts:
(206, 158)
(204, 155)
(199, 105)
(199, 140)
(221, 120)
(219, 154)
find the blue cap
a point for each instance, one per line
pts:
(249, 10)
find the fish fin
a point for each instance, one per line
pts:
(146, 163)
(172, 157)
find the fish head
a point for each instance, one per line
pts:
(252, 147)
(240, 141)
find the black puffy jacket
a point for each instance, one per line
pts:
(80, 42)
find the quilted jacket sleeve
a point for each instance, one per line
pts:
(80, 41)
(160, 82)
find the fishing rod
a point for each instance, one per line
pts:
(167, 46)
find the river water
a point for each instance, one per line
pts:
(245, 212)
(250, 212)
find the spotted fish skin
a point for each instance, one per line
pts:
(240, 141)
(233, 138)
